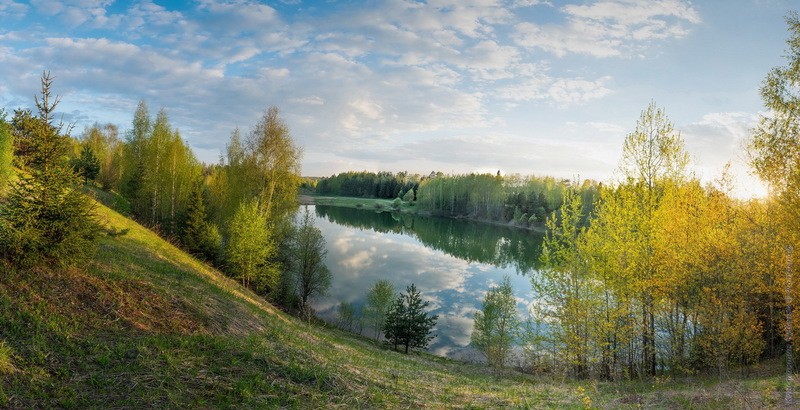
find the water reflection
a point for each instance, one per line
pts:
(453, 264)
(470, 241)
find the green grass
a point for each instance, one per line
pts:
(145, 325)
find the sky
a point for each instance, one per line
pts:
(522, 86)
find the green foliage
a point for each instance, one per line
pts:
(6, 150)
(105, 144)
(248, 247)
(497, 324)
(407, 322)
(774, 147)
(87, 165)
(46, 219)
(495, 198)
(133, 173)
(159, 170)
(409, 195)
(565, 286)
(312, 276)
(264, 166)
(379, 299)
(25, 125)
(383, 185)
(274, 165)
(200, 237)
(396, 203)
(654, 152)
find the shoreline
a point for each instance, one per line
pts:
(385, 205)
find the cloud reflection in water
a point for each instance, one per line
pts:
(364, 247)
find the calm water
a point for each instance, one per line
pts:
(453, 263)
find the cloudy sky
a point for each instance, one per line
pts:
(523, 86)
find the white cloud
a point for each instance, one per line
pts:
(310, 100)
(238, 15)
(634, 12)
(76, 13)
(534, 82)
(528, 3)
(575, 91)
(609, 28)
(12, 8)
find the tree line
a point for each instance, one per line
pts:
(522, 201)
(364, 184)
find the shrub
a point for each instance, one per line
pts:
(409, 196)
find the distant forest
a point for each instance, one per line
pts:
(521, 200)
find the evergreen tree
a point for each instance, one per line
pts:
(407, 323)
(200, 237)
(87, 165)
(497, 324)
(46, 218)
(133, 174)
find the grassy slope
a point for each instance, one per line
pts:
(145, 325)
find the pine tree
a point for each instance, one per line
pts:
(407, 323)
(46, 218)
(200, 237)
(87, 165)
(133, 174)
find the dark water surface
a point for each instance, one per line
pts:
(452, 262)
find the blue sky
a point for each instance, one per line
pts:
(523, 86)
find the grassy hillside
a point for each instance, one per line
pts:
(145, 325)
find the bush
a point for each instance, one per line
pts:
(397, 203)
(409, 196)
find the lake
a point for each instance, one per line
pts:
(452, 262)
